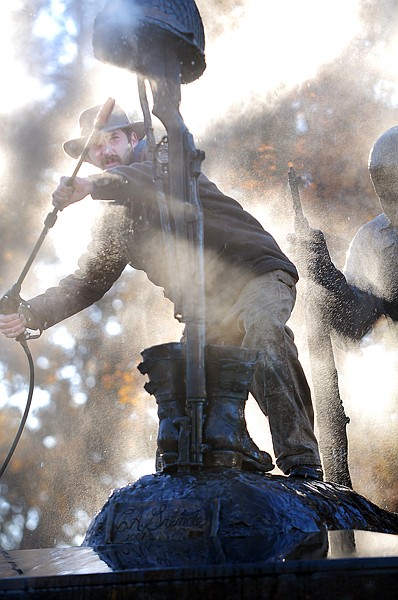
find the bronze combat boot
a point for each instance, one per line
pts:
(165, 367)
(229, 370)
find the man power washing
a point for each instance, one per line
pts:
(249, 286)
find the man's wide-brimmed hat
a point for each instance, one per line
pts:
(117, 120)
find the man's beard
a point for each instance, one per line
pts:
(114, 160)
(128, 156)
(111, 160)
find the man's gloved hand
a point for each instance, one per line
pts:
(349, 310)
(311, 255)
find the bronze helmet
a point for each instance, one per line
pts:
(126, 31)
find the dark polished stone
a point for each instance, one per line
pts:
(326, 565)
(219, 534)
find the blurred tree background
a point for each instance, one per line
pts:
(92, 426)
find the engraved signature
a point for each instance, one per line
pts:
(144, 524)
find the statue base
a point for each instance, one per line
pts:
(229, 504)
(219, 534)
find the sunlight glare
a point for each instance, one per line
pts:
(61, 337)
(71, 236)
(116, 82)
(383, 55)
(271, 50)
(41, 399)
(14, 95)
(369, 384)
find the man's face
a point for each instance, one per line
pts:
(112, 148)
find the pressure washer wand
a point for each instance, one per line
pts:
(10, 301)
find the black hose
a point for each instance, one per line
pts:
(27, 407)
